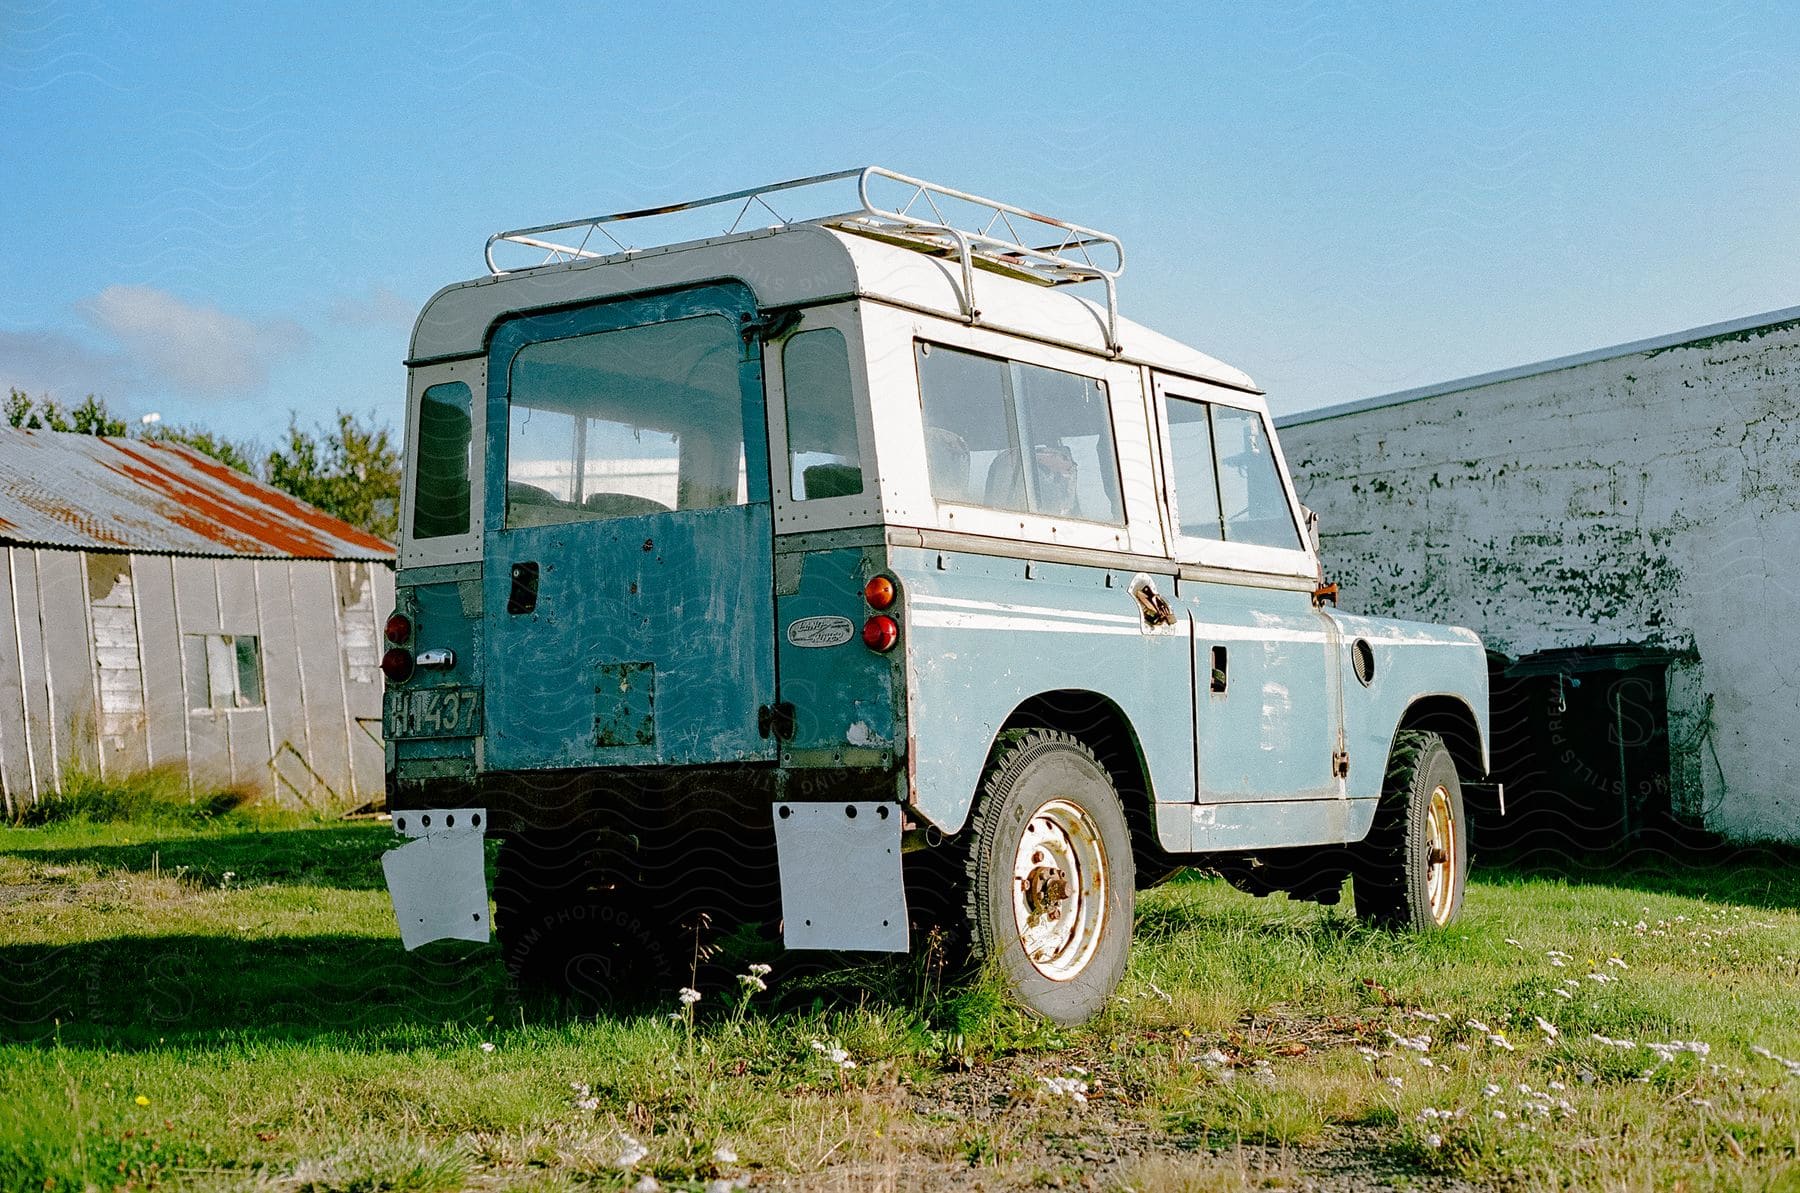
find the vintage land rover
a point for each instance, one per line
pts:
(854, 576)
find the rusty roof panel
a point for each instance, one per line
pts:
(59, 489)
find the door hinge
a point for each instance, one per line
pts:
(1340, 764)
(777, 718)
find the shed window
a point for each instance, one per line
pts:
(823, 458)
(223, 670)
(1019, 437)
(444, 460)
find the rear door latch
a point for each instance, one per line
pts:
(777, 718)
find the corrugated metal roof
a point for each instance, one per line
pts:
(59, 489)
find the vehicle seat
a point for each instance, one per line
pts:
(831, 480)
(947, 459)
(1006, 481)
(621, 505)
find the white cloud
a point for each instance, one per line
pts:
(58, 364)
(192, 348)
(379, 307)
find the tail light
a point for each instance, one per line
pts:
(880, 592)
(880, 633)
(399, 628)
(397, 665)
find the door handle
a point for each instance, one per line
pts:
(1156, 610)
(524, 594)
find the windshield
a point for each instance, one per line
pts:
(616, 424)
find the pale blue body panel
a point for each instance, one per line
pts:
(982, 637)
(1414, 661)
(1248, 768)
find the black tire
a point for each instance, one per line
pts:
(565, 930)
(1393, 868)
(1037, 780)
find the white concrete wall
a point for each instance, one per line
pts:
(1648, 498)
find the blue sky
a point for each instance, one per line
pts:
(227, 213)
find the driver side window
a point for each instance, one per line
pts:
(1227, 483)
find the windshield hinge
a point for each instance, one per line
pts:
(770, 325)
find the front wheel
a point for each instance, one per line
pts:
(1411, 870)
(1051, 877)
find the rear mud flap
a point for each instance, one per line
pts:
(438, 881)
(840, 876)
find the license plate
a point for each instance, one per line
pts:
(433, 712)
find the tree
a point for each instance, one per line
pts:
(351, 471)
(91, 417)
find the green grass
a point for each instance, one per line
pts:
(221, 1002)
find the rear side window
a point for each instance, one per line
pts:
(1227, 484)
(823, 457)
(1014, 436)
(441, 471)
(616, 424)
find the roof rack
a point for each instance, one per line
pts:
(976, 232)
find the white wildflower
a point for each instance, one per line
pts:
(1617, 962)
(1490, 1090)
(758, 969)
(752, 982)
(1500, 1041)
(1500, 1115)
(834, 1054)
(1479, 1026)
(587, 1104)
(724, 1155)
(1547, 1027)
(1427, 1062)
(1558, 962)
(1215, 1059)
(630, 1151)
(1515, 944)
(1612, 1043)
(1397, 1082)
(1072, 1088)
(1602, 978)
(1561, 993)
(487, 1046)
(646, 1184)
(688, 996)
(1557, 1085)
(1434, 1140)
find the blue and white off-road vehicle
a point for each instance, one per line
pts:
(855, 575)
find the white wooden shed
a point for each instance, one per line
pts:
(158, 609)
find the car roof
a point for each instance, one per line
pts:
(803, 263)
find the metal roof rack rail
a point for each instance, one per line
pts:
(976, 232)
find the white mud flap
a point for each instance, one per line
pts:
(840, 876)
(437, 880)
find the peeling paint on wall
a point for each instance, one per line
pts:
(1647, 498)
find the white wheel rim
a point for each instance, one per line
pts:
(1440, 859)
(1059, 889)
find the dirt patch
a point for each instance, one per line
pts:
(1009, 1124)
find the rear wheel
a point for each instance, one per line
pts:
(1411, 870)
(1051, 876)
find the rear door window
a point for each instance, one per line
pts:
(615, 424)
(442, 469)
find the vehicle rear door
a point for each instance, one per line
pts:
(628, 586)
